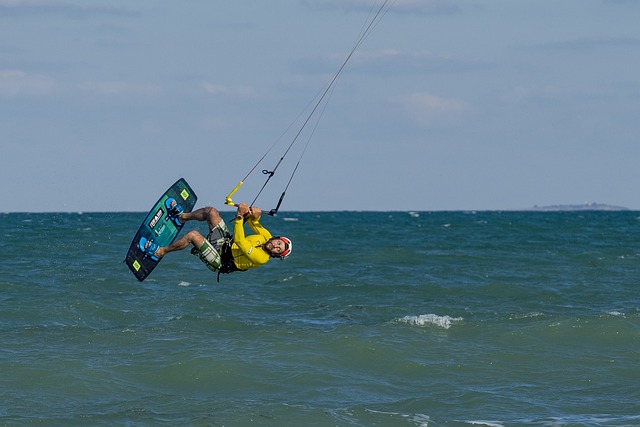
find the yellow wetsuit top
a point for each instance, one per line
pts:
(245, 250)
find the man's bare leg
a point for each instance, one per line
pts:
(193, 237)
(209, 214)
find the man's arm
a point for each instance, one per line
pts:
(254, 223)
(238, 227)
(240, 240)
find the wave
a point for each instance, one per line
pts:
(430, 319)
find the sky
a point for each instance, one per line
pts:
(445, 105)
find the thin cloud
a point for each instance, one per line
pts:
(423, 7)
(393, 62)
(523, 93)
(239, 91)
(15, 83)
(590, 43)
(119, 88)
(425, 108)
(48, 7)
(417, 62)
(427, 7)
(18, 83)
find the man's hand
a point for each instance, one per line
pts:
(255, 212)
(243, 210)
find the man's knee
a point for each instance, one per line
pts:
(195, 238)
(212, 213)
(210, 210)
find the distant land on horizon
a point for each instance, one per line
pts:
(590, 206)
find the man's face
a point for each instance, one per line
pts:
(276, 246)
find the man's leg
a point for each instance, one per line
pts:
(209, 214)
(193, 237)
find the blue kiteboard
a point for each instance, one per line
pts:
(160, 227)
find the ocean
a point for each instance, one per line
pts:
(377, 319)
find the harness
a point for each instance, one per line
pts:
(226, 258)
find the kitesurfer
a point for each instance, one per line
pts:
(220, 251)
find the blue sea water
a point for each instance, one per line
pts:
(377, 319)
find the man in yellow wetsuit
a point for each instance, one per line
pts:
(221, 252)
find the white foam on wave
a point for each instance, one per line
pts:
(486, 423)
(183, 283)
(615, 313)
(431, 319)
(529, 315)
(419, 420)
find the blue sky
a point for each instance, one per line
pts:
(447, 105)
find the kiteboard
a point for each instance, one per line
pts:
(161, 226)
